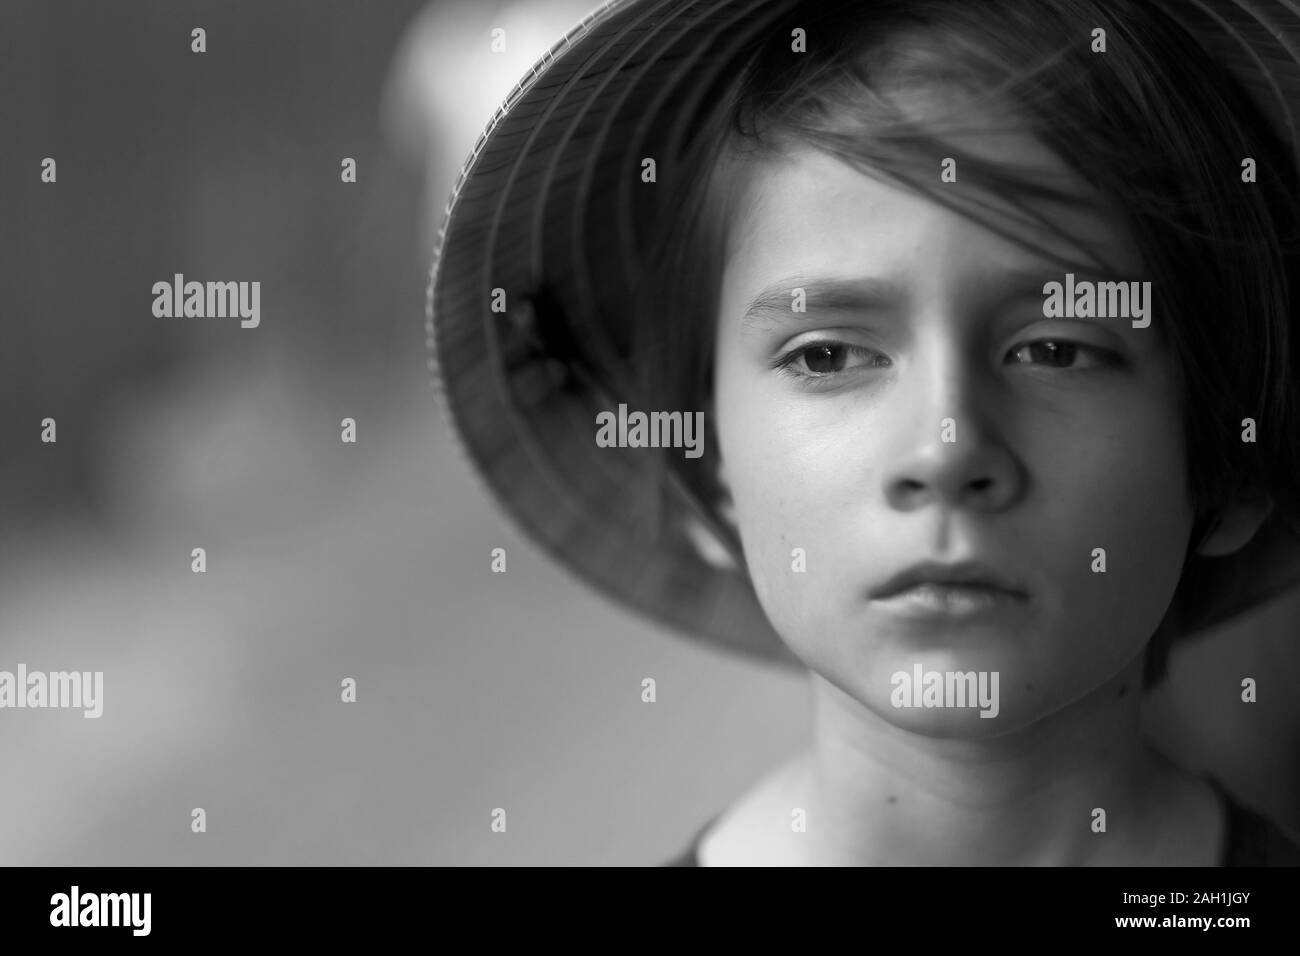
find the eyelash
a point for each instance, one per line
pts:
(785, 363)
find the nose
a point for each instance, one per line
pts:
(948, 446)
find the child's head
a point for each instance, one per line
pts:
(921, 406)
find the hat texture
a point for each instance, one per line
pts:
(546, 218)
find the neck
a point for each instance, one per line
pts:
(885, 796)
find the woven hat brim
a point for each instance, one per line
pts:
(522, 213)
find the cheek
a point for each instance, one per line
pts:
(788, 479)
(1123, 518)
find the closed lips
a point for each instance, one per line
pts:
(957, 576)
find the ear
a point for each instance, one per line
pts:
(726, 507)
(705, 539)
(1235, 524)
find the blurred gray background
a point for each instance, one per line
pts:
(328, 560)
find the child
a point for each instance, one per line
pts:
(987, 309)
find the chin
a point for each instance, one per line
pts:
(951, 698)
(953, 723)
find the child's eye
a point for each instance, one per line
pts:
(822, 359)
(828, 359)
(1059, 353)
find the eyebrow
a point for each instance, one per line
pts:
(773, 304)
(836, 294)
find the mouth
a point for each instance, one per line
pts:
(966, 590)
(930, 599)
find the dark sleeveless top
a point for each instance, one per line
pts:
(1249, 839)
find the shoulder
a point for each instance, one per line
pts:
(691, 855)
(754, 829)
(1255, 840)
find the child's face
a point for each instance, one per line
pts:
(844, 453)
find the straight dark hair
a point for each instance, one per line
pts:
(1155, 125)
